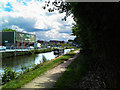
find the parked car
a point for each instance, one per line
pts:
(2, 48)
(31, 47)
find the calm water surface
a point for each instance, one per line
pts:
(15, 63)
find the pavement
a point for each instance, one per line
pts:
(48, 79)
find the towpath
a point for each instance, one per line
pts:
(48, 79)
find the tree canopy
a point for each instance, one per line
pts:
(96, 28)
(8, 30)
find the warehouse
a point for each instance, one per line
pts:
(17, 39)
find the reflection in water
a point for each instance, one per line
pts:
(48, 56)
(15, 63)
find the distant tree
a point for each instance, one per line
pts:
(8, 30)
(70, 40)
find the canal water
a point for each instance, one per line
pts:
(15, 63)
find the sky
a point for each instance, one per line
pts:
(28, 16)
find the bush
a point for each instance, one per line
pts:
(8, 75)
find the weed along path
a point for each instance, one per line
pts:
(48, 79)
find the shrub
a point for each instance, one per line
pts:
(8, 75)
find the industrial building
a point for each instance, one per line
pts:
(17, 39)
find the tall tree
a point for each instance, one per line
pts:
(97, 27)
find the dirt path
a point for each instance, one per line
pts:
(48, 79)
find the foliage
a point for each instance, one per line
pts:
(37, 66)
(74, 72)
(8, 75)
(96, 28)
(41, 68)
(44, 58)
(31, 51)
(8, 30)
(25, 69)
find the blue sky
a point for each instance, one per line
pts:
(28, 16)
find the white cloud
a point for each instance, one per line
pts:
(53, 35)
(6, 21)
(28, 18)
(14, 27)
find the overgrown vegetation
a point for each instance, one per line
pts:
(96, 29)
(42, 50)
(22, 53)
(74, 72)
(31, 73)
(8, 75)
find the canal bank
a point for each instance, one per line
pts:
(28, 76)
(28, 61)
(48, 79)
(23, 52)
(7, 54)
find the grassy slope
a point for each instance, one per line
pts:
(27, 77)
(73, 73)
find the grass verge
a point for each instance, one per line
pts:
(28, 76)
(73, 73)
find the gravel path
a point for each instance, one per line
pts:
(48, 79)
